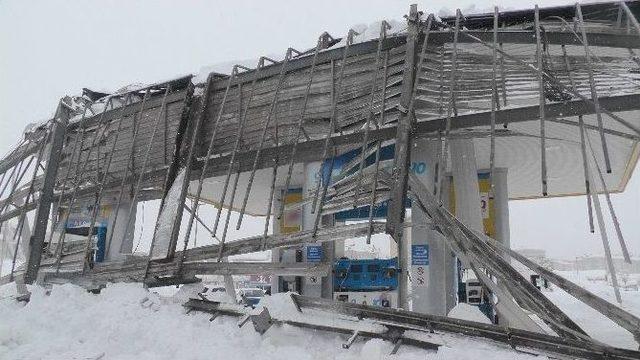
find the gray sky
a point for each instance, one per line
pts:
(52, 48)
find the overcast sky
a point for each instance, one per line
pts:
(52, 48)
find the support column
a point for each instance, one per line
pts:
(311, 252)
(123, 236)
(312, 286)
(433, 265)
(465, 181)
(466, 192)
(501, 207)
(285, 256)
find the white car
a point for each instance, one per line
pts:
(250, 296)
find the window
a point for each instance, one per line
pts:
(373, 268)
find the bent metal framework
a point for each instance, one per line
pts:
(547, 97)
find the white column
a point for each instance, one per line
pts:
(433, 277)
(465, 181)
(122, 241)
(501, 222)
(275, 227)
(311, 286)
(501, 206)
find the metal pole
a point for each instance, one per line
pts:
(583, 150)
(543, 149)
(66, 178)
(374, 82)
(196, 201)
(592, 86)
(136, 128)
(332, 124)
(78, 176)
(16, 181)
(494, 101)
(45, 200)
(145, 160)
(605, 190)
(442, 162)
(98, 196)
(551, 79)
(272, 190)
(232, 163)
(398, 187)
(378, 147)
(272, 108)
(242, 119)
(23, 213)
(605, 244)
(630, 16)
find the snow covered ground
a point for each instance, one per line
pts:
(126, 321)
(594, 323)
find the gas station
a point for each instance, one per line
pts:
(414, 141)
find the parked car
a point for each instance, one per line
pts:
(250, 296)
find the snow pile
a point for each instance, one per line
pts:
(594, 323)
(371, 31)
(126, 321)
(465, 311)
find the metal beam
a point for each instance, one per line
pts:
(439, 37)
(621, 317)
(556, 112)
(395, 215)
(513, 337)
(45, 200)
(308, 149)
(552, 37)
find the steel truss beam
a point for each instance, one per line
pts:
(390, 333)
(624, 41)
(516, 338)
(188, 271)
(135, 268)
(555, 112)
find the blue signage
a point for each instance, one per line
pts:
(420, 254)
(362, 212)
(314, 253)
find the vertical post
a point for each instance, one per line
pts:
(587, 184)
(36, 241)
(494, 100)
(451, 108)
(396, 212)
(605, 244)
(543, 150)
(432, 266)
(374, 83)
